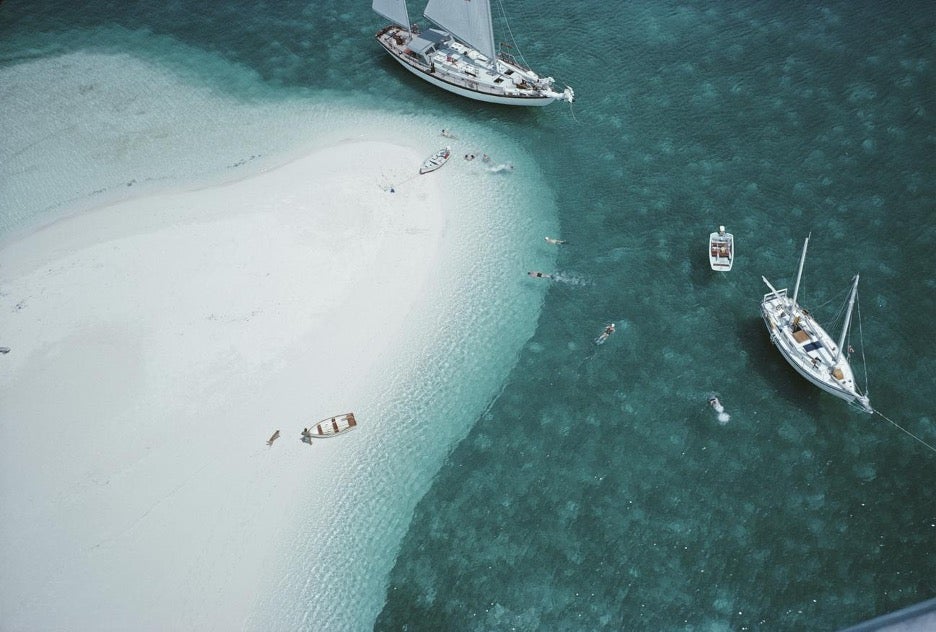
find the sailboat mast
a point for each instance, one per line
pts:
(848, 314)
(799, 274)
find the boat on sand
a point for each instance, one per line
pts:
(331, 427)
(436, 160)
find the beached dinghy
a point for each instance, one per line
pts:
(807, 346)
(721, 250)
(459, 56)
(436, 160)
(331, 427)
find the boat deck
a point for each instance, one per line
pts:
(453, 63)
(806, 345)
(721, 251)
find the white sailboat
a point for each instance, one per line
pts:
(460, 55)
(807, 346)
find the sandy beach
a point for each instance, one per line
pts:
(156, 346)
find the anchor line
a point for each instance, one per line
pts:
(891, 421)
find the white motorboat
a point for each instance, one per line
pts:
(436, 160)
(721, 250)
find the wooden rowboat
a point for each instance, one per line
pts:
(330, 427)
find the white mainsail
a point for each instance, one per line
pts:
(467, 20)
(393, 10)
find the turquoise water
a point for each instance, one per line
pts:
(598, 490)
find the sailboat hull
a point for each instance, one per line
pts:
(455, 70)
(808, 348)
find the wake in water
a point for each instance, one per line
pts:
(571, 279)
(716, 404)
(504, 167)
(561, 277)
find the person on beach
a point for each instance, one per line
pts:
(539, 275)
(605, 334)
(555, 242)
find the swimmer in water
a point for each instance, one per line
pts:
(555, 242)
(539, 275)
(605, 334)
(716, 404)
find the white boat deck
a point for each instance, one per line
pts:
(807, 346)
(457, 68)
(721, 251)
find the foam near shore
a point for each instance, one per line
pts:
(158, 342)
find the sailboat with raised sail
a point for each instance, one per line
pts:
(460, 56)
(807, 346)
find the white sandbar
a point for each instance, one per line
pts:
(158, 341)
(156, 345)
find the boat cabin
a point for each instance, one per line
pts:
(427, 42)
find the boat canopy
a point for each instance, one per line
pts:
(393, 10)
(426, 40)
(468, 21)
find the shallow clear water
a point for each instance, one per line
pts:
(599, 491)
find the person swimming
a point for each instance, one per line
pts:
(555, 242)
(605, 334)
(716, 404)
(539, 275)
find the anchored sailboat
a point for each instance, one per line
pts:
(807, 346)
(460, 56)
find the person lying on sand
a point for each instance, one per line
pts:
(555, 242)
